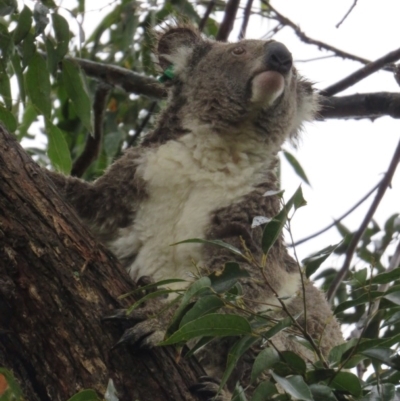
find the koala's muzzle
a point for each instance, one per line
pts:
(278, 58)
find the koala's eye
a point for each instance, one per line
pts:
(237, 51)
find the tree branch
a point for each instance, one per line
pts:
(357, 236)
(361, 105)
(229, 18)
(93, 143)
(361, 73)
(246, 17)
(367, 105)
(204, 20)
(321, 45)
(128, 80)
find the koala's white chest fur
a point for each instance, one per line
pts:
(187, 179)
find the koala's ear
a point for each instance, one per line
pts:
(176, 43)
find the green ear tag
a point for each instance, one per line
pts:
(167, 74)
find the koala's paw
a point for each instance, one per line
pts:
(142, 328)
(207, 389)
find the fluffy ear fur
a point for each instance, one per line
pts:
(175, 45)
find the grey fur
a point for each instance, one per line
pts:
(213, 92)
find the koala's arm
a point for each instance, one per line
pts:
(109, 202)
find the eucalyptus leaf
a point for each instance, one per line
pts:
(264, 391)
(76, 90)
(215, 325)
(204, 306)
(219, 243)
(38, 85)
(238, 349)
(314, 261)
(40, 12)
(222, 281)
(294, 386)
(346, 382)
(8, 119)
(266, 359)
(57, 150)
(23, 25)
(296, 166)
(85, 395)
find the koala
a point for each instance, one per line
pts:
(202, 173)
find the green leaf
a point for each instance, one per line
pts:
(76, 90)
(5, 87)
(266, 359)
(38, 84)
(16, 63)
(347, 382)
(28, 49)
(394, 319)
(264, 391)
(23, 26)
(296, 166)
(314, 261)
(238, 349)
(238, 393)
(283, 324)
(273, 229)
(215, 325)
(216, 242)
(85, 395)
(380, 354)
(320, 392)
(335, 355)
(383, 392)
(61, 30)
(28, 118)
(223, 281)
(295, 362)
(40, 12)
(7, 7)
(393, 297)
(203, 306)
(8, 119)
(198, 286)
(57, 150)
(386, 277)
(294, 386)
(152, 285)
(363, 299)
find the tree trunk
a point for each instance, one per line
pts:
(56, 283)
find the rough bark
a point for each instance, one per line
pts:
(56, 283)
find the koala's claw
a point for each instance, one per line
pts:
(146, 334)
(208, 387)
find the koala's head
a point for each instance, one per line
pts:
(231, 87)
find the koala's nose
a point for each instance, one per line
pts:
(278, 58)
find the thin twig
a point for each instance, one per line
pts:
(361, 73)
(145, 121)
(246, 17)
(229, 18)
(347, 14)
(93, 143)
(321, 45)
(385, 183)
(204, 20)
(335, 221)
